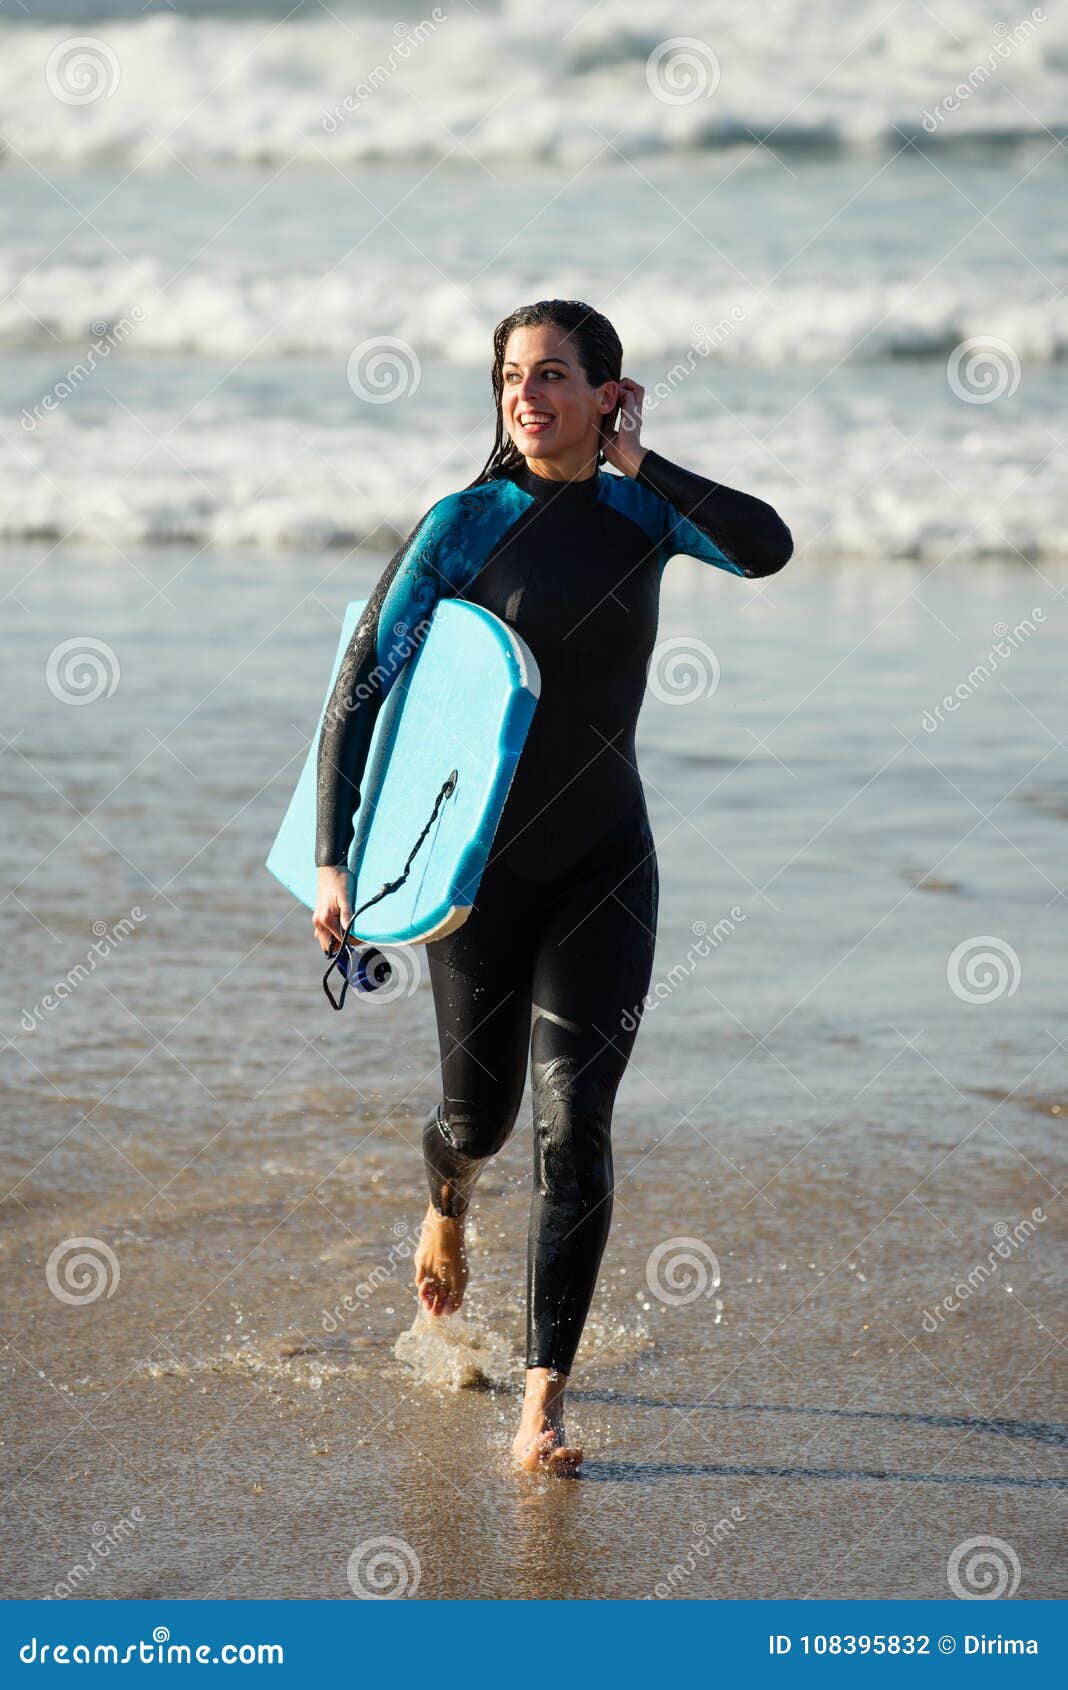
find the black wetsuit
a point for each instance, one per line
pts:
(557, 952)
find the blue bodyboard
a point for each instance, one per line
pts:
(462, 703)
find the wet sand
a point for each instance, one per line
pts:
(846, 1138)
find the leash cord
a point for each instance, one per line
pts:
(447, 786)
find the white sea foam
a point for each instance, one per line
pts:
(853, 482)
(538, 80)
(244, 312)
(831, 299)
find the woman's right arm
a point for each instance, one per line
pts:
(388, 632)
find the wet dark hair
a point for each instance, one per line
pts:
(600, 352)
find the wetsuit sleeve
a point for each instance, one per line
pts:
(389, 631)
(706, 520)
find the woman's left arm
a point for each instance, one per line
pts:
(705, 519)
(744, 530)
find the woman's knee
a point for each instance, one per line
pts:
(572, 1150)
(473, 1131)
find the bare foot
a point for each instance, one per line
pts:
(441, 1263)
(540, 1445)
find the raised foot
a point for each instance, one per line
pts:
(441, 1263)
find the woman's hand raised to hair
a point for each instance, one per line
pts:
(333, 907)
(624, 450)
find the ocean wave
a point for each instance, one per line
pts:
(533, 82)
(242, 313)
(851, 482)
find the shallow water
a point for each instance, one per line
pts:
(817, 1141)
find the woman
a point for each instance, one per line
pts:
(558, 948)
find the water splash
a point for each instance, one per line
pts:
(456, 1354)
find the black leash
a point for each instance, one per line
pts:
(390, 886)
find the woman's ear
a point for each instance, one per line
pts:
(609, 402)
(609, 407)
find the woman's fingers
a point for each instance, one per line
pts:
(327, 930)
(333, 906)
(630, 416)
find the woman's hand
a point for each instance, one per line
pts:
(623, 449)
(333, 907)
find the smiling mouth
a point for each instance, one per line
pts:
(532, 422)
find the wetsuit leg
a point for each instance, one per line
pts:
(592, 968)
(481, 977)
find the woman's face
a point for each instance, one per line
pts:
(549, 408)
